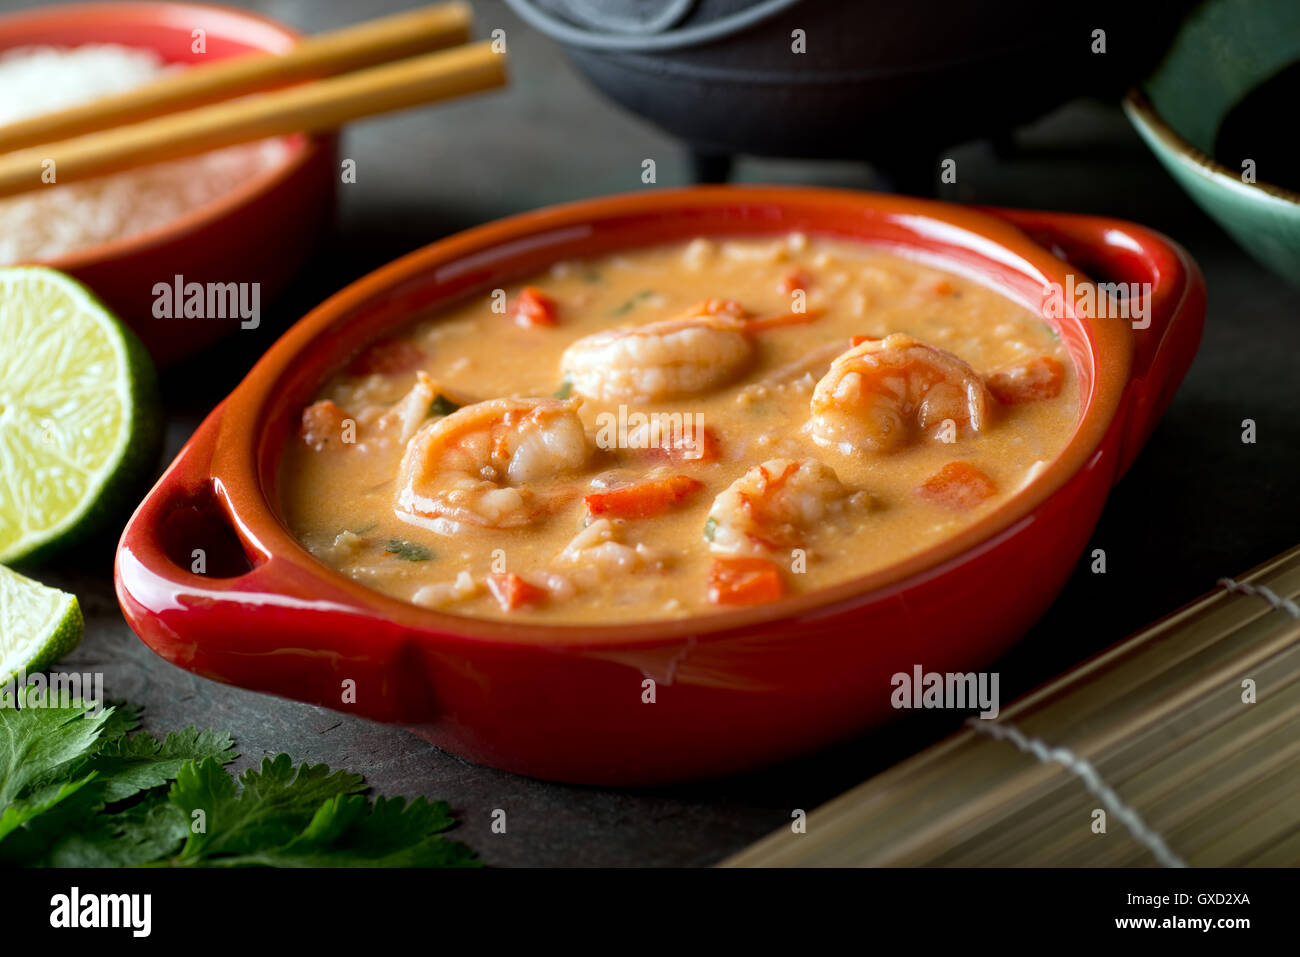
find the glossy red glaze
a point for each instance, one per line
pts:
(259, 233)
(735, 689)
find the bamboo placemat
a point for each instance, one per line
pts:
(1153, 731)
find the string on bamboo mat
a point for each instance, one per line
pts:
(1264, 592)
(1084, 770)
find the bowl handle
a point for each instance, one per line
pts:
(203, 593)
(1165, 341)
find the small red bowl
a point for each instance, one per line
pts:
(734, 689)
(261, 232)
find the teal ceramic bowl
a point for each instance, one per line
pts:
(1225, 50)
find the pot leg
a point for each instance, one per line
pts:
(911, 172)
(707, 167)
(1005, 146)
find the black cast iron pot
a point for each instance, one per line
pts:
(892, 83)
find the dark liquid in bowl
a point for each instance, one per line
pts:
(1262, 127)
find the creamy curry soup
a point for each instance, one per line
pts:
(676, 430)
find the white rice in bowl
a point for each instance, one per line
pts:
(59, 219)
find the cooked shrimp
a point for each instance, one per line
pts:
(705, 347)
(406, 416)
(322, 426)
(600, 552)
(442, 594)
(776, 506)
(878, 394)
(426, 398)
(488, 465)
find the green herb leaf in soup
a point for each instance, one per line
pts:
(408, 551)
(441, 405)
(632, 303)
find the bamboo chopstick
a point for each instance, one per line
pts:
(327, 54)
(1161, 720)
(310, 108)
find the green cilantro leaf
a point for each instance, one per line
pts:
(38, 744)
(408, 551)
(632, 302)
(349, 831)
(148, 831)
(80, 790)
(275, 803)
(130, 765)
(121, 719)
(441, 405)
(22, 812)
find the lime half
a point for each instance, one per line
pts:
(38, 625)
(80, 423)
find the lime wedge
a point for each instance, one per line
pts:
(38, 625)
(80, 421)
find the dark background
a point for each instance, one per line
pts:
(1198, 505)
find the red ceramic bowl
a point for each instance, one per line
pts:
(261, 232)
(735, 689)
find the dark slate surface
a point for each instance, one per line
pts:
(1198, 505)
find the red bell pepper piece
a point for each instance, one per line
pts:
(643, 500)
(533, 307)
(744, 581)
(511, 591)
